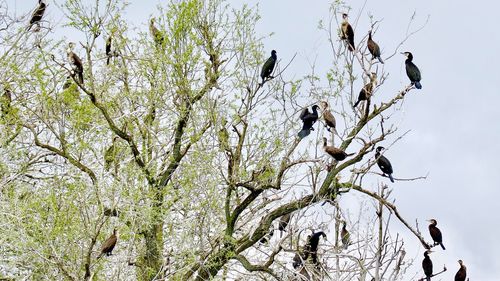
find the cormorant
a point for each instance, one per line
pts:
(110, 154)
(383, 163)
(297, 261)
(37, 14)
(328, 117)
(346, 237)
(436, 233)
(412, 70)
(336, 153)
(6, 100)
(76, 62)
(223, 136)
(427, 265)
(374, 48)
(156, 33)
(308, 120)
(312, 246)
(109, 55)
(367, 90)
(268, 67)
(347, 33)
(267, 237)
(462, 272)
(108, 245)
(285, 219)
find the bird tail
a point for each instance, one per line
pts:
(380, 60)
(350, 44)
(356, 104)
(80, 77)
(350, 154)
(391, 178)
(418, 85)
(303, 133)
(442, 246)
(428, 278)
(107, 60)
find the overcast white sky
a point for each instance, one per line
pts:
(455, 133)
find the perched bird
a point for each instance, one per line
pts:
(374, 48)
(328, 117)
(462, 272)
(366, 92)
(156, 33)
(347, 33)
(109, 54)
(268, 67)
(383, 163)
(285, 219)
(108, 245)
(6, 101)
(345, 236)
(267, 237)
(427, 266)
(111, 212)
(37, 15)
(312, 246)
(297, 261)
(412, 70)
(76, 62)
(223, 136)
(436, 233)
(336, 153)
(308, 120)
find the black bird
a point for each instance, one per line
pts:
(6, 101)
(308, 120)
(284, 222)
(312, 246)
(297, 261)
(462, 272)
(427, 265)
(412, 70)
(328, 117)
(268, 67)
(336, 153)
(436, 235)
(108, 245)
(374, 48)
(366, 92)
(383, 163)
(156, 33)
(347, 33)
(108, 49)
(37, 14)
(76, 63)
(345, 236)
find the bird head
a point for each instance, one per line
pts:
(380, 148)
(426, 253)
(115, 231)
(460, 262)
(273, 53)
(324, 105)
(373, 77)
(408, 55)
(324, 141)
(433, 221)
(344, 16)
(315, 107)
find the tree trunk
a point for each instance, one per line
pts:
(150, 261)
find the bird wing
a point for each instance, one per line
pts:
(304, 113)
(268, 67)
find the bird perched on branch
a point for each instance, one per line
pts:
(156, 33)
(311, 248)
(6, 100)
(75, 62)
(374, 48)
(268, 67)
(383, 163)
(37, 15)
(412, 70)
(366, 92)
(345, 236)
(109, 54)
(308, 120)
(436, 233)
(328, 117)
(108, 245)
(462, 272)
(336, 153)
(285, 219)
(427, 265)
(347, 33)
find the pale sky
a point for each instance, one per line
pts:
(453, 120)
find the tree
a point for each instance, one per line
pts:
(178, 146)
